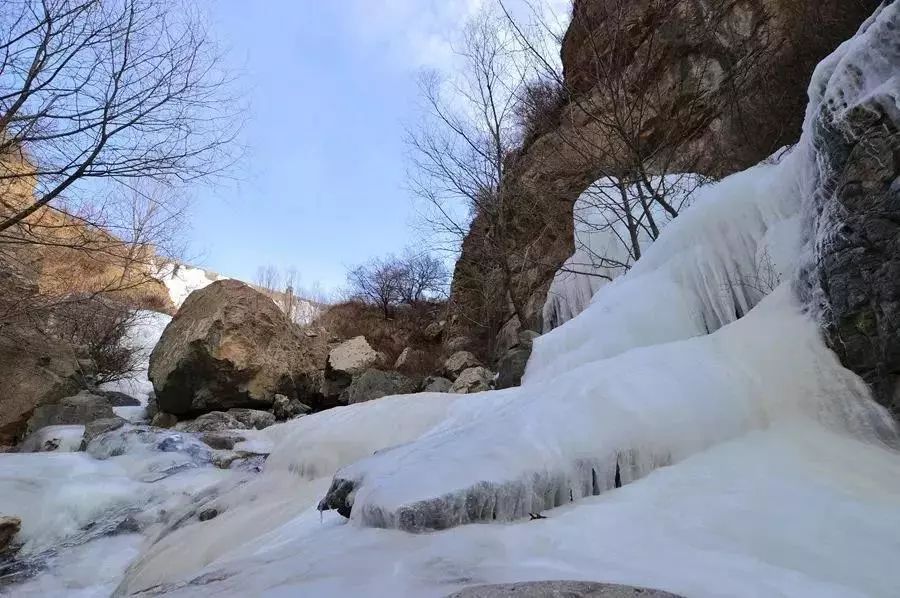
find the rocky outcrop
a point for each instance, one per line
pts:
(741, 88)
(559, 589)
(79, 409)
(231, 346)
(477, 379)
(511, 365)
(856, 274)
(374, 384)
(34, 370)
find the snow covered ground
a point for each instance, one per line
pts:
(752, 463)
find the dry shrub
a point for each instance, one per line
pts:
(98, 327)
(388, 335)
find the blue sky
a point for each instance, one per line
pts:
(330, 87)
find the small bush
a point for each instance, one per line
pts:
(98, 327)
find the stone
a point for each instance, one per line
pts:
(458, 362)
(214, 421)
(412, 361)
(100, 426)
(9, 527)
(163, 420)
(231, 346)
(477, 379)
(374, 384)
(434, 330)
(79, 409)
(207, 514)
(559, 589)
(457, 343)
(252, 418)
(221, 440)
(117, 399)
(34, 370)
(345, 361)
(436, 384)
(284, 408)
(511, 365)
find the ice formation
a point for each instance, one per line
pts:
(601, 241)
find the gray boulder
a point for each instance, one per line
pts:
(459, 361)
(117, 399)
(214, 421)
(512, 364)
(161, 419)
(252, 418)
(100, 426)
(79, 409)
(477, 379)
(284, 408)
(9, 527)
(349, 359)
(374, 384)
(559, 589)
(436, 384)
(231, 346)
(221, 440)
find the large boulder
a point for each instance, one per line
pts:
(459, 361)
(34, 370)
(231, 346)
(477, 379)
(374, 384)
(79, 409)
(347, 360)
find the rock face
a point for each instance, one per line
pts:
(33, 371)
(511, 366)
(477, 379)
(79, 409)
(374, 384)
(857, 211)
(459, 361)
(557, 163)
(230, 346)
(559, 589)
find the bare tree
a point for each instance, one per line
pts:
(102, 90)
(379, 282)
(268, 277)
(422, 276)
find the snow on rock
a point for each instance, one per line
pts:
(182, 280)
(142, 337)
